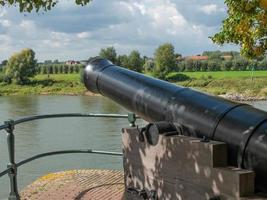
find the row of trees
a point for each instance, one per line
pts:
(59, 68)
(23, 65)
(235, 64)
(133, 61)
(165, 61)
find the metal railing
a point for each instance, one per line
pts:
(12, 166)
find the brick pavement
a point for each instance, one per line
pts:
(77, 185)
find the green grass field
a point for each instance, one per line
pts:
(227, 74)
(53, 84)
(249, 84)
(59, 77)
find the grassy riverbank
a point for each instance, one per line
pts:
(247, 84)
(55, 84)
(242, 84)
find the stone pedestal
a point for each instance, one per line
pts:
(184, 168)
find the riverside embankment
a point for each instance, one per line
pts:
(241, 86)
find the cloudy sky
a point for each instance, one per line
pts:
(74, 32)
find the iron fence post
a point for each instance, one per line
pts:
(14, 194)
(132, 119)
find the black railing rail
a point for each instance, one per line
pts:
(12, 166)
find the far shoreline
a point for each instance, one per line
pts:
(236, 89)
(233, 96)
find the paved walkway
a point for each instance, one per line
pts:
(77, 185)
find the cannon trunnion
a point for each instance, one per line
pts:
(242, 127)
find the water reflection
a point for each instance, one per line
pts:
(22, 105)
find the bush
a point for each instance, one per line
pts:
(2, 78)
(175, 76)
(7, 79)
(206, 77)
(82, 76)
(21, 66)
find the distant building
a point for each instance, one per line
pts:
(179, 58)
(72, 62)
(196, 58)
(227, 57)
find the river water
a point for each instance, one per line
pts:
(59, 134)
(66, 133)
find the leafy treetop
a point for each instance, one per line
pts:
(21, 66)
(165, 60)
(109, 53)
(246, 26)
(36, 5)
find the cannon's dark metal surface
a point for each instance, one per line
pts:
(241, 126)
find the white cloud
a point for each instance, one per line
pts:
(5, 45)
(27, 26)
(142, 9)
(83, 35)
(3, 12)
(128, 6)
(57, 39)
(211, 9)
(5, 23)
(72, 32)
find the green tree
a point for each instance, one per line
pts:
(240, 64)
(263, 64)
(181, 66)
(50, 69)
(123, 61)
(1, 69)
(60, 70)
(246, 26)
(55, 68)
(189, 65)
(44, 69)
(77, 68)
(135, 61)
(38, 69)
(204, 65)
(4, 63)
(149, 65)
(213, 54)
(21, 66)
(65, 69)
(48, 62)
(71, 69)
(36, 5)
(165, 60)
(109, 53)
(196, 65)
(214, 65)
(226, 65)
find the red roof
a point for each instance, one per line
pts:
(197, 58)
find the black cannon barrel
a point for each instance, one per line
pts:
(242, 127)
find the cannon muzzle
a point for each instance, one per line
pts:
(242, 127)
